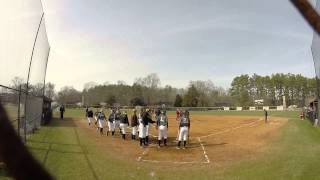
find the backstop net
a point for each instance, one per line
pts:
(24, 54)
(316, 59)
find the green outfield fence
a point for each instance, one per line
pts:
(24, 55)
(171, 108)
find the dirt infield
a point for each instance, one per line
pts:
(214, 140)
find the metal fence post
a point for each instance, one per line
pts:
(19, 101)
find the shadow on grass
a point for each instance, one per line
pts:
(66, 122)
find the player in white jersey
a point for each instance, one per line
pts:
(101, 121)
(184, 129)
(142, 129)
(162, 126)
(111, 120)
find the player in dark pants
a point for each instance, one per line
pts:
(62, 110)
(146, 118)
(134, 124)
(265, 116)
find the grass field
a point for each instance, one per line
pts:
(69, 149)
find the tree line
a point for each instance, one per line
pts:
(148, 91)
(296, 89)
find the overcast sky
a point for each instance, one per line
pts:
(180, 40)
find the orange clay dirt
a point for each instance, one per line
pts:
(214, 140)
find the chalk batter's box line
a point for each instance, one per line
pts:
(231, 129)
(207, 160)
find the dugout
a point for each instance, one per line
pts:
(312, 111)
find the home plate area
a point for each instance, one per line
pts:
(170, 154)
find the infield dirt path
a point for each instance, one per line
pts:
(214, 140)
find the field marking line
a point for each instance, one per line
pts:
(174, 162)
(143, 153)
(204, 151)
(230, 129)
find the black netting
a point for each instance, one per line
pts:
(24, 53)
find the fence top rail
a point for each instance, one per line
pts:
(22, 90)
(12, 88)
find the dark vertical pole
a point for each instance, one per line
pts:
(27, 87)
(44, 81)
(19, 101)
(309, 13)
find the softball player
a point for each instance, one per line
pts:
(157, 113)
(101, 121)
(90, 116)
(111, 120)
(96, 114)
(179, 114)
(124, 123)
(117, 120)
(134, 124)
(162, 126)
(184, 130)
(142, 129)
(146, 118)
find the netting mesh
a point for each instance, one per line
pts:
(24, 53)
(316, 47)
(316, 58)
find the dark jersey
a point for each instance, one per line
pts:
(101, 116)
(146, 119)
(118, 116)
(134, 120)
(124, 119)
(112, 117)
(158, 112)
(87, 112)
(90, 114)
(184, 122)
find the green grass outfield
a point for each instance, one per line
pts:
(67, 153)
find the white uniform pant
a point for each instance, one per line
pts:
(90, 119)
(116, 124)
(183, 133)
(162, 132)
(134, 130)
(142, 131)
(111, 126)
(101, 123)
(147, 130)
(123, 128)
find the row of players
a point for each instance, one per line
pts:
(140, 123)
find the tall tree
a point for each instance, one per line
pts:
(178, 101)
(191, 98)
(49, 90)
